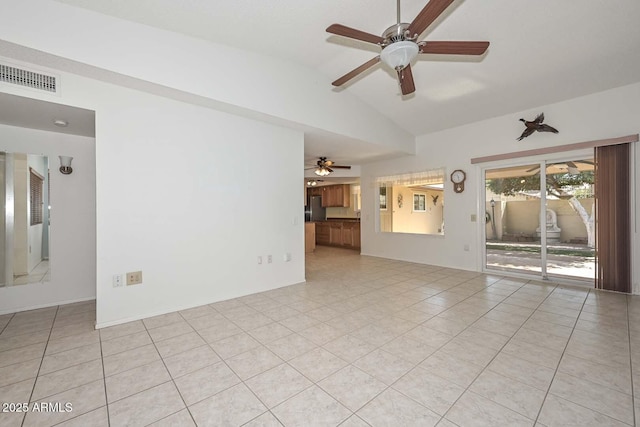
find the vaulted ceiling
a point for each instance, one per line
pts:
(541, 52)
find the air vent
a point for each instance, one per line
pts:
(26, 78)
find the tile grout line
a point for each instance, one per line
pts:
(286, 362)
(104, 381)
(35, 382)
(452, 338)
(228, 367)
(561, 357)
(172, 380)
(633, 398)
(467, 389)
(5, 326)
(390, 386)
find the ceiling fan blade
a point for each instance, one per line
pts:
(455, 48)
(405, 77)
(351, 74)
(532, 169)
(352, 33)
(427, 15)
(340, 167)
(572, 165)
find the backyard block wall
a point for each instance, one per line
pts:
(522, 217)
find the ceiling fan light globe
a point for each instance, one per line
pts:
(321, 172)
(399, 54)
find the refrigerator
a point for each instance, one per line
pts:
(314, 210)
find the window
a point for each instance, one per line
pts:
(383, 198)
(419, 202)
(425, 189)
(36, 182)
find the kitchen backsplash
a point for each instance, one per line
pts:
(342, 213)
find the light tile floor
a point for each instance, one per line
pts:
(366, 341)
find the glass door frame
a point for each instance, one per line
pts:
(541, 160)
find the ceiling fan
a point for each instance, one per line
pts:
(324, 167)
(400, 46)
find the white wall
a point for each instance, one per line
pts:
(607, 114)
(73, 220)
(181, 195)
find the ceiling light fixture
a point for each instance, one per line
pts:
(321, 171)
(61, 123)
(312, 183)
(399, 54)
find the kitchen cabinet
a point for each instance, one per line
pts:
(347, 235)
(344, 234)
(322, 233)
(335, 233)
(309, 236)
(336, 196)
(351, 234)
(356, 236)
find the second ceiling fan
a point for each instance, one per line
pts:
(324, 167)
(400, 46)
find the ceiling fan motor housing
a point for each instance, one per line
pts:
(398, 48)
(396, 33)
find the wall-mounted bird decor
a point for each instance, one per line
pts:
(536, 125)
(435, 199)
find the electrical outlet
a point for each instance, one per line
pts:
(259, 260)
(269, 259)
(466, 248)
(117, 280)
(474, 218)
(287, 257)
(134, 278)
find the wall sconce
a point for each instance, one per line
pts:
(65, 164)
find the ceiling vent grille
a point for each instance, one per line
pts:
(27, 78)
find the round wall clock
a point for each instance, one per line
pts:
(458, 177)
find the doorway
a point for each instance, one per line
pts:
(540, 218)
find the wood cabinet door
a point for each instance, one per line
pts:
(335, 234)
(322, 234)
(356, 236)
(345, 198)
(347, 235)
(325, 196)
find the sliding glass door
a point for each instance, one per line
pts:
(512, 207)
(540, 218)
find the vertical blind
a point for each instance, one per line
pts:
(613, 213)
